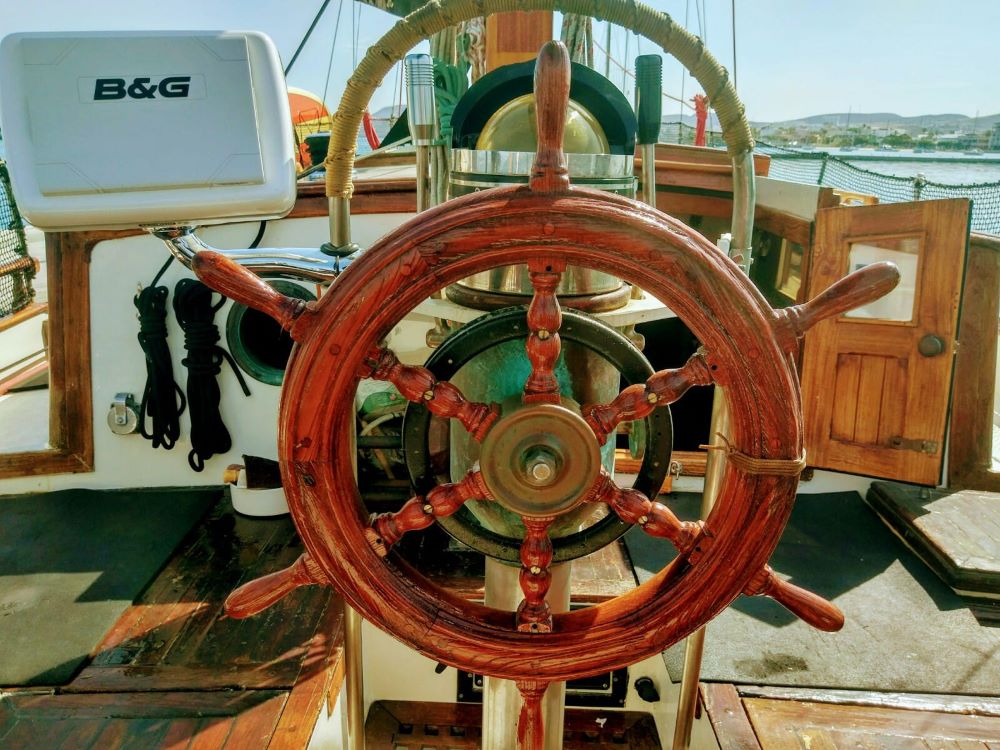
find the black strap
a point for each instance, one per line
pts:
(260, 235)
(162, 400)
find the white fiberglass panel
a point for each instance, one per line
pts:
(124, 129)
(128, 100)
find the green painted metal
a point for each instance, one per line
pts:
(243, 327)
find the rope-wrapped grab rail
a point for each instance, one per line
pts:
(437, 15)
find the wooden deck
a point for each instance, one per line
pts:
(782, 719)
(174, 672)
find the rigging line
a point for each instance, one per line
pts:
(734, 44)
(399, 97)
(607, 57)
(333, 46)
(395, 86)
(630, 74)
(305, 39)
(680, 116)
(704, 22)
(625, 74)
(355, 32)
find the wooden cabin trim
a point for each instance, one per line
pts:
(696, 167)
(516, 36)
(720, 205)
(970, 434)
(396, 196)
(71, 435)
(26, 313)
(71, 421)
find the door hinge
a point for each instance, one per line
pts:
(913, 444)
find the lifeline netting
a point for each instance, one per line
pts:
(17, 269)
(821, 168)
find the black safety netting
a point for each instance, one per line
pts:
(829, 170)
(822, 168)
(17, 268)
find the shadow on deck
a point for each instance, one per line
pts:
(175, 672)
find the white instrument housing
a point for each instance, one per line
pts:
(143, 128)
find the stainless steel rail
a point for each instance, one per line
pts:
(300, 264)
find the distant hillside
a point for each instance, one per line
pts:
(386, 112)
(941, 122)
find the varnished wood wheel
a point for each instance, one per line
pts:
(747, 347)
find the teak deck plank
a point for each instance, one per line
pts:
(204, 720)
(786, 725)
(729, 721)
(177, 636)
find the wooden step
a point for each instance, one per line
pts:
(745, 719)
(957, 534)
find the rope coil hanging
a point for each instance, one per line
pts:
(196, 315)
(162, 399)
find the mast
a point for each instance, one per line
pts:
(516, 36)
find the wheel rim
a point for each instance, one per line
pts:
(509, 226)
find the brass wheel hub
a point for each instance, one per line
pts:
(540, 460)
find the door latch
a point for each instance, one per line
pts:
(913, 444)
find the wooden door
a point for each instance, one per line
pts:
(876, 381)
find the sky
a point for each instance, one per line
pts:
(794, 58)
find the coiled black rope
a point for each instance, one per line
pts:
(196, 315)
(162, 399)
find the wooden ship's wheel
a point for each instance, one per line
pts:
(540, 458)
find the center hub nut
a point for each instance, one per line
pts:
(540, 460)
(541, 465)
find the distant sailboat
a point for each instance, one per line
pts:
(975, 150)
(850, 146)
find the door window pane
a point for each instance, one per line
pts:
(905, 253)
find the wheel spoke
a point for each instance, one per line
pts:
(420, 511)
(442, 398)
(635, 402)
(544, 320)
(656, 519)
(533, 613)
(806, 605)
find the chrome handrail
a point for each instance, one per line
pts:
(299, 264)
